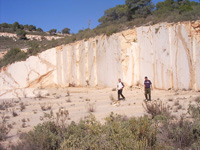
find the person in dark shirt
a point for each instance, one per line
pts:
(147, 88)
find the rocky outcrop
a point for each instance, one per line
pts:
(169, 54)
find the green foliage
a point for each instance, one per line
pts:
(116, 13)
(39, 30)
(12, 28)
(21, 34)
(32, 28)
(117, 133)
(66, 31)
(173, 11)
(8, 42)
(52, 31)
(139, 12)
(13, 55)
(4, 25)
(34, 48)
(45, 136)
(139, 8)
(15, 26)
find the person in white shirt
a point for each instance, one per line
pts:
(120, 87)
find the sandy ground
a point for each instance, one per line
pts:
(78, 100)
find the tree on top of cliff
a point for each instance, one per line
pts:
(139, 8)
(52, 31)
(180, 10)
(13, 28)
(21, 34)
(39, 30)
(66, 31)
(120, 12)
(32, 28)
(143, 11)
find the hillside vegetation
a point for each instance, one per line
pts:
(20, 29)
(121, 17)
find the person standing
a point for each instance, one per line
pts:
(120, 87)
(147, 88)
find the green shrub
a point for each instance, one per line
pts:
(118, 132)
(13, 55)
(21, 34)
(45, 136)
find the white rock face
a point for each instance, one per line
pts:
(169, 54)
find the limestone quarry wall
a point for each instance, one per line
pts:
(169, 54)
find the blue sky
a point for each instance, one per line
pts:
(58, 14)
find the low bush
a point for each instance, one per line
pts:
(44, 136)
(117, 133)
(4, 129)
(13, 55)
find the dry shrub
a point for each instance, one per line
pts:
(45, 106)
(68, 100)
(170, 99)
(176, 103)
(91, 107)
(114, 89)
(14, 113)
(197, 99)
(112, 98)
(4, 129)
(39, 95)
(181, 134)
(156, 108)
(22, 106)
(61, 117)
(68, 93)
(6, 104)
